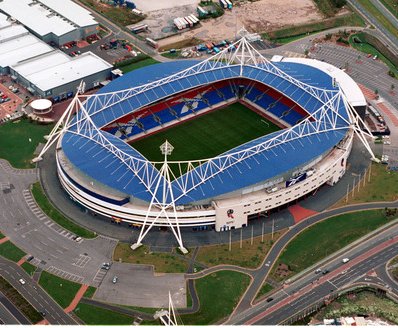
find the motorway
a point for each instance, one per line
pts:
(34, 294)
(389, 39)
(312, 287)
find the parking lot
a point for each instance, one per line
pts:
(138, 285)
(9, 101)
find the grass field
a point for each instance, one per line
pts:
(14, 141)
(320, 240)
(58, 217)
(61, 290)
(208, 135)
(163, 262)
(249, 256)
(218, 294)
(93, 315)
(11, 252)
(29, 268)
(19, 301)
(138, 64)
(383, 186)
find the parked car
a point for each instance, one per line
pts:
(22, 281)
(114, 280)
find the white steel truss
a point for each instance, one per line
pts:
(160, 182)
(167, 317)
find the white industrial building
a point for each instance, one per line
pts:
(52, 20)
(56, 75)
(17, 44)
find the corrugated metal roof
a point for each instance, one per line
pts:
(72, 11)
(17, 45)
(56, 68)
(36, 17)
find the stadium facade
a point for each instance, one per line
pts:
(103, 173)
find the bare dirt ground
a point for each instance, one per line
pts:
(259, 16)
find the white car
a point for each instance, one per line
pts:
(387, 142)
(345, 260)
(22, 281)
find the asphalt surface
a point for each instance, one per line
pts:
(9, 314)
(52, 246)
(371, 73)
(306, 291)
(391, 39)
(34, 294)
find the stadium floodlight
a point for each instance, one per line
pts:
(166, 148)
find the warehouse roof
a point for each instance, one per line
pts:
(56, 68)
(72, 11)
(4, 21)
(17, 44)
(36, 17)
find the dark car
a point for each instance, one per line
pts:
(269, 299)
(325, 271)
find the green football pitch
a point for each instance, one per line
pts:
(208, 135)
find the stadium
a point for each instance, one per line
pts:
(207, 144)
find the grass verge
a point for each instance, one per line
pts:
(265, 289)
(94, 315)
(15, 146)
(374, 11)
(145, 61)
(29, 268)
(367, 48)
(61, 290)
(383, 186)
(352, 19)
(392, 6)
(11, 252)
(218, 293)
(54, 214)
(325, 238)
(90, 292)
(249, 256)
(19, 301)
(163, 262)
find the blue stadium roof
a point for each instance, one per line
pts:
(100, 164)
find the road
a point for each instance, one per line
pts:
(52, 246)
(34, 294)
(120, 33)
(312, 287)
(389, 39)
(9, 314)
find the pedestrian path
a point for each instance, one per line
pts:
(300, 213)
(76, 299)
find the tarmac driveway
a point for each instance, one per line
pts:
(139, 285)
